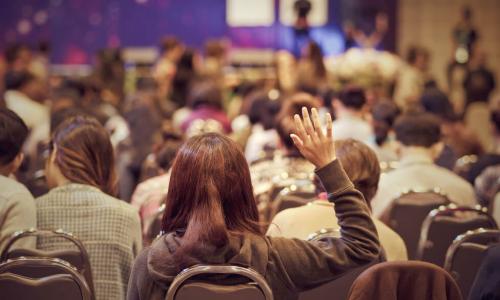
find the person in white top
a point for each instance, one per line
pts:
(349, 122)
(363, 169)
(17, 205)
(419, 137)
(22, 89)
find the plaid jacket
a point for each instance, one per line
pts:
(109, 229)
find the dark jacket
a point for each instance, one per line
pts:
(487, 283)
(288, 265)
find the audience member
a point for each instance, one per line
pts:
(362, 167)
(491, 158)
(149, 194)
(23, 97)
(208, 223)
(384, 113)
(186, 73)
(311, 71)
(412, 78)
(80, 172)
(262, 115)
(419, 135)
(349, 122)
(207, 112)
(17, 206)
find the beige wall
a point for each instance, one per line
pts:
(429, 23)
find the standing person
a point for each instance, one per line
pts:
(301, 29)
(80, 171)
(17, 206)
(211, 217)
(311, 71)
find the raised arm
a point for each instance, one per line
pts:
(308, 264)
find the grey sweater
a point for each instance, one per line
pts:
(289, 265)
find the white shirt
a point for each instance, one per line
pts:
(349, 126)
(417, 171)
(34, 114)
(258, 140)
(300, 222)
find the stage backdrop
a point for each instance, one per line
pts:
(77, 28)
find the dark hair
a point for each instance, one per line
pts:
(292, 106)
(353, 97)
(263, 109)
(17, 80)
(209, 196)
(84, 153)
(414, 52)
(166, 152)
(384, 114)
(13, 133)
(418, 129)
(12, 52)
(205, 93)
(495, 119)
(361, 165)
(436, 102)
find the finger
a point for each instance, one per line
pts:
(307, 121)
(297, 141)
(299, 127)
(329, 125)
(316, 122)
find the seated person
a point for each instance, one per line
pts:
(211, 218)
(206, 103)
(17, 206)
(149, 194)
(80, 171)
(287, 159)
(349, 122)
(419, 136)
(363, 169)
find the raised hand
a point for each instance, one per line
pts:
(316, 146)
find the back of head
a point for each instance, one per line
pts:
(418, 129)
(436, 102)
(384, 114)
(210, 195)
(361, 165)
(169, 43)
(353, 98)
(83, 153)
(166, 152)
(13, 133)
(414, 52)
(205, 93)
(18, 80)
(292, 106)
(263, 109)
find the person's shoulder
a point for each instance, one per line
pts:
(12, 188)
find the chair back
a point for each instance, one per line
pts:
(443, 225)
(408, 211)
(76, 257)
(41, 278)
(152, 226)
(187, 285)
(465, 255)
(404, 280)
(292, 196)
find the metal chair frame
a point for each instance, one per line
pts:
(188, 273)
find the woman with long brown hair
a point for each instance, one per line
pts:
(81, 174)
(211, 218)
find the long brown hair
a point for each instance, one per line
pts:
(210, 194)
(84, 154)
